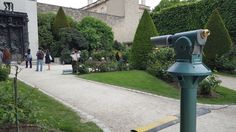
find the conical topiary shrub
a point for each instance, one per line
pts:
(219, 42)
(142, 45)
(60, 21)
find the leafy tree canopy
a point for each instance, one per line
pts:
(98, 33)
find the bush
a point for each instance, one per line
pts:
(4, 72)
(27, 113)
(225, 63)
(97, 33)
(72, 38)
(219, 39)
(208, 86)
(60, 21)
(65, 56)
(142, 45)
(84, 56)
(118, 46)
(82, 69)
(160, 61)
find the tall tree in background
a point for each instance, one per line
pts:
(142, 45)
(219, 42)
(60, 21)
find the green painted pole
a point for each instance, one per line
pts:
(188, 104)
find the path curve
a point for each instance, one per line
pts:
(118, 109)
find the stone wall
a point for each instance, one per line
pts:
(124, 27)
(78, 14)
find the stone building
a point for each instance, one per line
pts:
(18, 26)
(122, 15)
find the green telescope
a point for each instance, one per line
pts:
(188, 69)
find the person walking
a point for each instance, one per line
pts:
(48, 59)
(74, 57)
(40, 56)
(28, 59)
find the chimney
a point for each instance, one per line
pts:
(143, 2)
(90, 2)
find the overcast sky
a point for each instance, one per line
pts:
(81, 3)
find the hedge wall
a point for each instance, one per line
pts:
(194, 16)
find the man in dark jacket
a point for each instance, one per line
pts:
(40, 56)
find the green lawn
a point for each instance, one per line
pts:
(138, 80)
(143, 81)
(226, 74)
(54, 114)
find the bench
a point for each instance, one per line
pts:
(67, 71)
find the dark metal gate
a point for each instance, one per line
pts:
(14, 32)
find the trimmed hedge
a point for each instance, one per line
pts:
(194, 16)
(142, 45)
(60, 21)
(219, 41)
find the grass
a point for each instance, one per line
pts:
(55, 114)
(225, 96)
(138, 80)
(143, 81)
(226, 74)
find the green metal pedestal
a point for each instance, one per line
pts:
(188, 104)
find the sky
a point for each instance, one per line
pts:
(81, 3)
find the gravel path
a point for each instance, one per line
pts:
(113, 108)
(229, 82)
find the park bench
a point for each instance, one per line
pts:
(67, 71)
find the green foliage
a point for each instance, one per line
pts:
(170, 3)
(194, 16)
(98, 33)
(26, 111)
(118, 46)
(46, 38)
(82, 69)
(72, 38)
(208, 86)
(219, 42)
(69, 38)
(142, 45)
(4, 72)
(160, 61)
(84, 56)
(65, 56)
(225, 63)
(60, 21)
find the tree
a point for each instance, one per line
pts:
(46, 38)
(142, 45)
(98, 33)
(72, 38)
(60, 21)
(219, 42)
